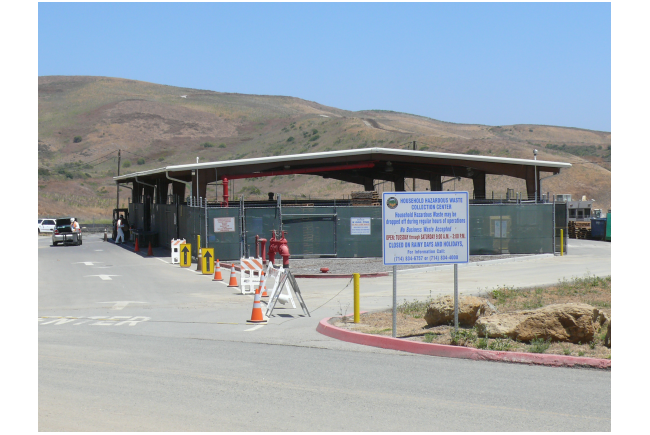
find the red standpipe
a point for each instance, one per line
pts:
(225, 191)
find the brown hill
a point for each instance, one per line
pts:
(83, 121)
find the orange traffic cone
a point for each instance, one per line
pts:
(217, 272)
(149, 251)
(233, 278)
(257, 316)
(137, 247)
(263, 285)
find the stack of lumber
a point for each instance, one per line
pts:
(365, 198)
(579, 230)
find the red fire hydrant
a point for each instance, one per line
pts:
(279, 246)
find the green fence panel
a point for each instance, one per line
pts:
(348, 232)
(511, 228)
(365, 240)
(226, 244)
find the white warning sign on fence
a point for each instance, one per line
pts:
(224, 225)
(425, 227)
(360, 226)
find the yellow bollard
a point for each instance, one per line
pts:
(561, 242)
(199, 263)
(355, 276)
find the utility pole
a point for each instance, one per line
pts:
(414, 148)
(119, 160)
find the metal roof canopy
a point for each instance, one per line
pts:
(361, 166)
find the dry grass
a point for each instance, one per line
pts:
(411, 325)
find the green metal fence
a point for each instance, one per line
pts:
(345, 231)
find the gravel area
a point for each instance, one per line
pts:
(346, 266)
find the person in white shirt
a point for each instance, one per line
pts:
(120, 232)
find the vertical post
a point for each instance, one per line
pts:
(414, 148)
(119, 160)
(562, 242)
(394, 301)
(356, 297)
(456, 297)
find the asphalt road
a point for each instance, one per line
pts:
(133, 343)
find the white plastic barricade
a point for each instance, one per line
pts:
(276, 274)
(251, 272)
(176, 250)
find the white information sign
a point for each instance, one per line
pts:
(425, 227)
(359, 226)
(224, 225)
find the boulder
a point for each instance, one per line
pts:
(470, 308)
(560, 322)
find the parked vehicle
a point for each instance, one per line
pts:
(64, 233)
(46, 225)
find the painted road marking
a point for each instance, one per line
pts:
(162, 260)
(119, 305)
(99, 320)
(99, 250)
(254, 328)
(103, 277)
(89, 263)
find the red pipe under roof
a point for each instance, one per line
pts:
(304, 170)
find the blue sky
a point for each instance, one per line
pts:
(483, 63)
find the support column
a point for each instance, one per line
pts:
(369, 184)
(436, 183)
(178, 190)
(148, 192)
(399, 184)
(136, 195)
(530, 182)
(162, 186)
(479, 185)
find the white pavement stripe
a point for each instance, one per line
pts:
(103, 277)
(254, 328)
(162, 260)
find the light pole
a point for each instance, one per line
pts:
(535, 158)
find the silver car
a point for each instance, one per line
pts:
(63, 233)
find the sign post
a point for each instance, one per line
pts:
(425, 228)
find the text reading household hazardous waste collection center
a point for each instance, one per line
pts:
(425, 227)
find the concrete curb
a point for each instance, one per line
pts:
(432, 349)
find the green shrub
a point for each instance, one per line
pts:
(140, 161)
(473, 152)
(77, 139)
(500, 344)
(207, 145)
(463, 337)
(539, 345)
(222, 145)
(313, 138)
(291, 139)
(126, 164)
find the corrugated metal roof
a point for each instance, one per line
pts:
(369, 153)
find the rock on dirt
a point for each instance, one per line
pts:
(559, 322)
(470, 308)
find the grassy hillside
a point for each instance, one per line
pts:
(83, 121)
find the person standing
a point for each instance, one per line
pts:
(120, 231)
